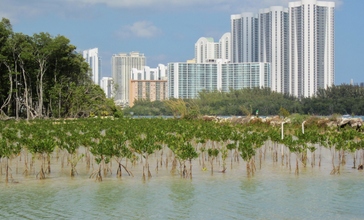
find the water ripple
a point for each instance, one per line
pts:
(274, 192)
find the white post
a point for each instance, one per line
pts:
(303, 127)
(282, 136)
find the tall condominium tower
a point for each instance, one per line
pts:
(92, 58)
(311, 44)
(207, 50)
(273, 45)
(106, 85)
(244, 38)
(225, 47)
(122, 65)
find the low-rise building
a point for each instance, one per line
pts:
(186, 80)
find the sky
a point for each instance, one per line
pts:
(167, 30)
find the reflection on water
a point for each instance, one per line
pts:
(181, 195)
(250, 200)
(274, 192)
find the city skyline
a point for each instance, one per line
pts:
(170, 32)
(298, 41)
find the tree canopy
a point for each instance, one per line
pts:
(43, 76)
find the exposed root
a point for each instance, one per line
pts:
(97, 175)
(149, 173)
(143, 174)
(335, 170)
(119, 171)
(41, 174)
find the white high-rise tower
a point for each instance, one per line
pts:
(92, 58)
(311, 44)
(106, 85)
(207, 50)
(244, 38)
(273, 45)
(122, 65)
(225, 47)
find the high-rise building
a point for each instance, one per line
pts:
(186, 80)
(147, 73)
(273, 45)
(106, 85)
(92, 58)
(153, 90)
(298, 42)
(122, 65)
(225, 47)
(311, 45)
(207, 50)
(244, 38)
(148, 83)
(245, 75)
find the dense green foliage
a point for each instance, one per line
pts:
(43, 76)
(180, 141)
(146, 107)
(343, 99)
(233, 102)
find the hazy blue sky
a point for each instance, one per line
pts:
(166, 30)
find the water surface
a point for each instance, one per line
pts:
(274, 192)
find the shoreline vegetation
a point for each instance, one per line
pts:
(44, 81)
(210, 143)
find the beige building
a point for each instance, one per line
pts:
(122, 65)
(147, 89)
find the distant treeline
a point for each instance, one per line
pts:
(341, 99)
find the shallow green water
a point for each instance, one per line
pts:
(273, 192)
